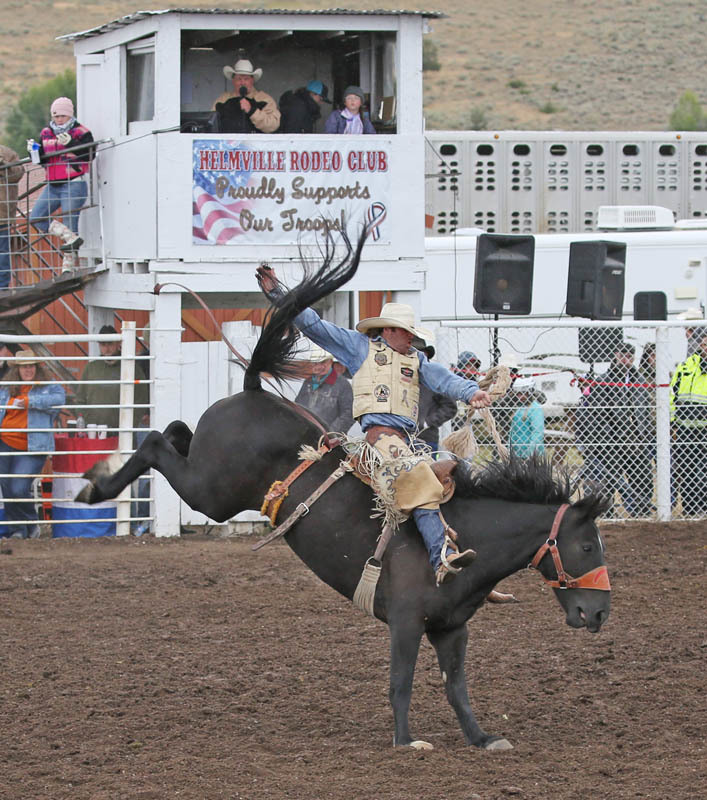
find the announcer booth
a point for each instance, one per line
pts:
(182, 206)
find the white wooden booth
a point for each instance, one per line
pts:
(178, 204)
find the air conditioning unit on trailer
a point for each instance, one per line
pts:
(635, 218)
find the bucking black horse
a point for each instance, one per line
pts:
(511, 513)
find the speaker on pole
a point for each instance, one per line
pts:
(595, 283)
(503, 279)
(650, 305)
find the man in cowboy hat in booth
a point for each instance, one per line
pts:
(387, 375)
(246, 109)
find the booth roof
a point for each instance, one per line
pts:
(138, 15)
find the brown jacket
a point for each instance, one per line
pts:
(8, 185)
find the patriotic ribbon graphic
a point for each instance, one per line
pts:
(375, 216)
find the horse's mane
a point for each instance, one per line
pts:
(278, 339)
(525, 480)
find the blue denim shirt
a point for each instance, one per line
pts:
(351, 349)
(41, 413)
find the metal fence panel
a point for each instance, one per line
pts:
(603, 389)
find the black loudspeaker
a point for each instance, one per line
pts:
(598, 344)
(503, 280)
(595, 284)
(650, 305)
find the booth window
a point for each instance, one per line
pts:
(140, 79)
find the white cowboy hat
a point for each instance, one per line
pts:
(317, 354)
(393, 315)
(427, 335)
(242, 67)
(524, 385)
(691, 313)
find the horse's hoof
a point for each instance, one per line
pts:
(105, 468)
(499, 744)
(418, 744)
(85, 495)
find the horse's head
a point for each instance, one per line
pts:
(572, 562)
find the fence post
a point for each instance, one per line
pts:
(166, 348)
(662, 423)
(126, 416)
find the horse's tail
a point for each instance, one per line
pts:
(278, 339)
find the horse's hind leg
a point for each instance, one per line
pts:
(451, 650)
(404, 646)
(166, 452)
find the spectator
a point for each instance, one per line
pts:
(100, 386)
(246, 109)
(7, 350)
(468, 366)
(28, 406)
(327, 393)
(614, 428)
(527, 429)
(9, 176)
(688, 407)
(65, 185)
(300, 109)
(693, 344)
(435, 408)
(646, 366)
(351, 118)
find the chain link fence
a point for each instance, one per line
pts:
(596, 398)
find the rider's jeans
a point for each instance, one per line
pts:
(431, 529)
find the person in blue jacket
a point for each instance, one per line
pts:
(351, 118)
(527, 435)
(387, 374)
(29, 404)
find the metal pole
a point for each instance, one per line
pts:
(125, 422)
(662, 420)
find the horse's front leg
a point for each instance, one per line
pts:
(404, 646)
(450, 647)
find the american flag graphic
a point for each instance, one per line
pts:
(216, 220)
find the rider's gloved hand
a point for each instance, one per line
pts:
(269, 284)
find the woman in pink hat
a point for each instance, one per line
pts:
(65, 186)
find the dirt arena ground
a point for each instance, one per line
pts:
(193, 668)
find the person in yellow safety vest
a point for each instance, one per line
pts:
(688, 415)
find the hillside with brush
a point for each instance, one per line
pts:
(547, 64)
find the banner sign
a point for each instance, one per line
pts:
(246, 195)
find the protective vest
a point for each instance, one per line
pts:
(688, 394)
(387, 383)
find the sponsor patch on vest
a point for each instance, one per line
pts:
(406, 374)
(380, 359)
(382, 393)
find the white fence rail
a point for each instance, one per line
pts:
(41, 477)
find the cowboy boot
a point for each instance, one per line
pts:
(69, 262)
(72, 241)
(452, 564)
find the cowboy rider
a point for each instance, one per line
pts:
(387, 374)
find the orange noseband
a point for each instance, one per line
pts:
(597, 578)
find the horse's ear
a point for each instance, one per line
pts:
(593, 505)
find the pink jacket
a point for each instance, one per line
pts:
(63, 166)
